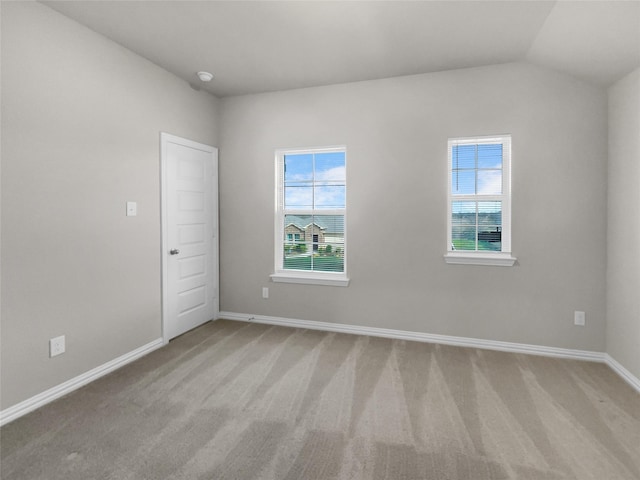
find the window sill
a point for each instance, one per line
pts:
(333, 280)
(487, 259)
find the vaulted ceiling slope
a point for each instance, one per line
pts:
(260, 46)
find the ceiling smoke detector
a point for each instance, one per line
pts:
(205, 76)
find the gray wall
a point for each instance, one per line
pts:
(81, 118)
(623, 240)
(396, 134)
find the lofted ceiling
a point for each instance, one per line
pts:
(259, 46)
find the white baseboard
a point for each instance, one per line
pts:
(443, 339)
(421, 337)
(623, 372)
(9, 414)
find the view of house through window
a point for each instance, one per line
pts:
(479, 197)
(319, 245)
(311, 210)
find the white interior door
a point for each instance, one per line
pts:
(190, 234)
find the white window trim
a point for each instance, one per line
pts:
(499, 259)
(311, 278)
(503, 258)
(280, 275)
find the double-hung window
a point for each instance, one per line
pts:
(310, 240)
(479, 201)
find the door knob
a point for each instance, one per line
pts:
(174, 251)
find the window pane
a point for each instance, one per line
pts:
(328, 263)
(490, 155)
(490, 226)
(318, 244)
(328, 252)
(489, 182)
(330, 166)
(490, 213)
(329, 196)
(329, 256)
(295, 225)
(298, 167)
(463, 156)
(332, 226)
(463, 238)
(296, 261)
(298, 196)
(463, 182)
(490, 241)
(295, 248)
(463, 213)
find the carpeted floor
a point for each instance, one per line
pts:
(241, 401)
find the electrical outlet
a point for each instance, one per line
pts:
(132, 209)
(579, 318)
(56, 346)
(265, 292)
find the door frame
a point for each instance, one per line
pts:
(165, 139)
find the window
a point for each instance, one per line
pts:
(311, 216)
(479, 201)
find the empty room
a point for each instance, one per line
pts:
(320, 240)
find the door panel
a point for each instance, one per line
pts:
(190, 225)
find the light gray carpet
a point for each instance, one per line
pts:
(242, 401)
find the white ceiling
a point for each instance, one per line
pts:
(263, 46)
